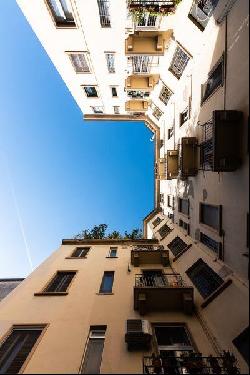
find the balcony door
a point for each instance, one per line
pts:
(154, 278)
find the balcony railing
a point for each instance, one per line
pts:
(220, 149)
(161, 281)
(149, 255)
(162, 7)
(148, 248)
(142, 64)
(191, 363)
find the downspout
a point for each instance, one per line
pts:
(225, 66)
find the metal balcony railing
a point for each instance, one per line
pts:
(148, 248)
(142, 64)
(206, 147)
(191, 363)
(159, 281)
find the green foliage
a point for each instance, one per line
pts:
(99, 232)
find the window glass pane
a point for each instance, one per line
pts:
(79, 62)
(172, 336)
(110, 58)
(204, 278)
(210, 215)
(91, 91)
(62, 12)
(103, 6)
(113, 252)
(60, 282)
(107, 282)
(215, 80)
(114, 91)
(16, 348)
(93, 357)
(179, 62)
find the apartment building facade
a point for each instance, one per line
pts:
(118, 306)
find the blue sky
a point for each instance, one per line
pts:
(58, 174)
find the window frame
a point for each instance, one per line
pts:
(101, 292)
(42, 326)
(116, 111)
(86, 56)
(97, 112)
(179, 206)
(171, 67)
(79, 247)
(219, 207)
(181, 123)
(112, 248)
(156, 109)
(91, 97)
(59, 25)
(161, 96)
(43, 290)
(107, 53)
(115, 88)
(218, 252)
(100, 3)
(211, 72)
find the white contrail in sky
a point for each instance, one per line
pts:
(19, 218)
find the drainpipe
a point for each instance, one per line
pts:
(174, 125)
(225, 66)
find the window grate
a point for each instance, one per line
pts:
(80, 62)
(104, 13)
(177, 246)
(141, 64)
(110, 59)
(215, 79)
(201, 11)
(164, 231)
(179, 62)
(204, 278)
(215, 246)
(165, 94)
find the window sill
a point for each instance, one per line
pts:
(76, 257)
(216, 293)
(104, 294)
(111, 257)
(45, 294)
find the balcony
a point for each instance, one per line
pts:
(136, 106)
(162, 7)
(188, 157)
(141, 82)
(162, 292)
(152, 43)
(220, 150)
(172, 164)
(149, 255)
(190, 363)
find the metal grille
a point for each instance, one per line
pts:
(179, 62)
(204, 278)
(211, 244)
(141, 64)
(60, 282)
(157, 281)
(165, 94)
(104, 13)
(110, 58)
(190, 363)
(79, 62)
(164, 231)
(177, 246)
(147, 20)
(215, 79)
(157, 113)
(206, 147)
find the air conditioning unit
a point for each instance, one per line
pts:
(138, 334)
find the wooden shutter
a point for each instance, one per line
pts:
(16, 348)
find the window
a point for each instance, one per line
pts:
(110, 59)
(170, 201)
(113, 252)
(170, 132)
(116, 110)
(107, 282)
(201, 11)
(16, 348)
(103, 6)
(98, 109)
(80, 252)
(177, 246)
(164, 231)
(184, 116)
(90, 91)
(156, 222)
(179, 62)
(141, 64)
(172, 339)
(80, 62)
(215, 246)
(60, 283)
(204, 278)
(184, 225)
(157, 113)
(62, 12)
(147, 20)
(215, 79)
(93, 354)
(183, 206)
(114, 92)
(165, 94)
(211, 215)
(242, 344)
